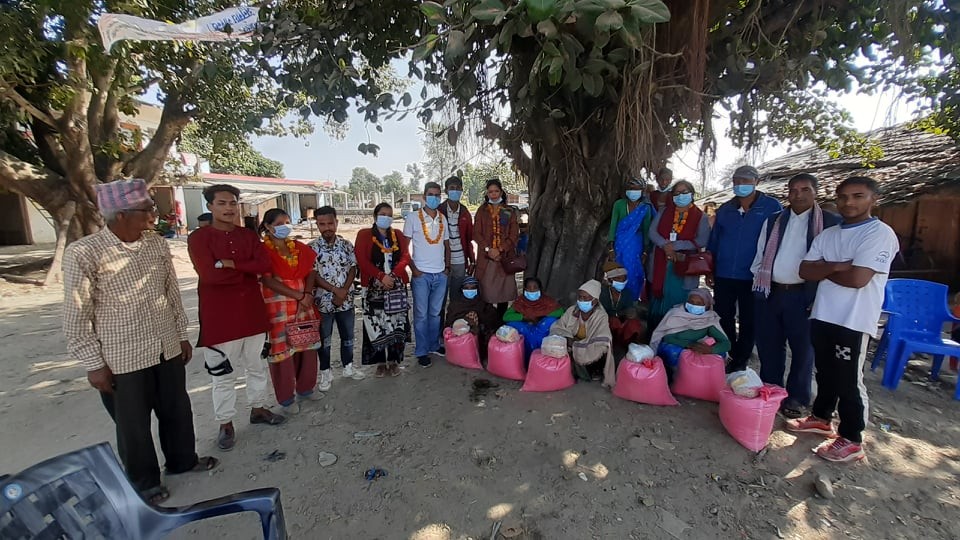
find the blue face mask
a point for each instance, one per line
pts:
(496, 201)
(454, 195)
(282, 231)
(695, 310)
(585, 305)
(743, 190)
(470, 294)
(618, 285)
(433, 201)
(531, 296)
(384, 222)
(683, 200)
(634, 195)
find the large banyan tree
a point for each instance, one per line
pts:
(581, 93)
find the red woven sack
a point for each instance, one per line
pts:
(461, 350)
(750, 420)
(548, 374)
(506, 359)
(643, 382)
(700, 376)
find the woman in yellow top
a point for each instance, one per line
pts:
(495, 230)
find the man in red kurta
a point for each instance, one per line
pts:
(233, 319)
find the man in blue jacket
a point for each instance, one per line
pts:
(733, 243)
(784, 299)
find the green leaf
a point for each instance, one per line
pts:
(488, 10)
(631, 34)
(574, 80)
(557, 113)
(556, 71)
(455, 45)
(593, 84)
(547, 28)
(609, 21)
(650, 11)
(588, 7)
(425, 47)
(540, 10)
(435, 13)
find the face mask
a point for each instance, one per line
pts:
(470, 294)
(282, 231)
(683, 199)
(433, 201)
(618, 285)
(531, 296)
(585, 305)
(743, 190)
(695, 310)
(454, 195)
(634, 195)
(384, 222)
(496, 201)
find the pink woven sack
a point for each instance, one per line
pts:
(643, 382)
(548, 374)
(750, 420)
(506, 359)
(700, 376)
(461, 350)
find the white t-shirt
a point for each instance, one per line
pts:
(426, 256)
(870, 244)
(793, 248)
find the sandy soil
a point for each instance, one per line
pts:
(457, 463)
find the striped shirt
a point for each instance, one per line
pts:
(121, 305)
(456, 248)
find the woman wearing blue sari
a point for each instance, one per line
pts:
(629, 223)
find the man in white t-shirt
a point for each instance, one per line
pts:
(852, 262)
(430, 262)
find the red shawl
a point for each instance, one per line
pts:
(664, 228)
(535, 310)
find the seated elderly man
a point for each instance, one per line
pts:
(124, 321)
(587, 330)
(693, 325)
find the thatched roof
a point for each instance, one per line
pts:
(914, 162)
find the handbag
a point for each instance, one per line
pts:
(694, 263)
(513, 262)
(395, 300)
(302, 334)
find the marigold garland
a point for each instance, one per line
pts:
(423, 224)
(393, 242)
(679, 220)
(495, 242)
(292, 260)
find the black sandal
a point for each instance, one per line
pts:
(204, 464)
(155, 496)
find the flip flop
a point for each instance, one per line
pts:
(204, 464)
(156, 495)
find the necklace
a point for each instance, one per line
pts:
(679, 220)
(293, 259)
(495, 241)
(393, 242)
(423, 223)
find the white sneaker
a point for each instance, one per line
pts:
(354, 374)
(326, 379)
(291, 409)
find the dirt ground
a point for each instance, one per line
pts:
(573, 464)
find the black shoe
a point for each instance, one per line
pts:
(442, 351)
(424, 361)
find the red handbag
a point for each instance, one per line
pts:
(513, 262)
(303, 334)
(693, 263)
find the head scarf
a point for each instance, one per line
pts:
(705, 295)
(612, 270)
(592, 288)
(122, 195)
(470, 280)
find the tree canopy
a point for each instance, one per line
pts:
(232, 156)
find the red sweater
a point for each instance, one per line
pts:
(363, 248)
(231, 303)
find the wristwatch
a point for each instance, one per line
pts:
(218, 265)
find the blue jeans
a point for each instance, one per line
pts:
(783, 318)
(429, 291)
(345, 324)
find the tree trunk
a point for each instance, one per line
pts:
(571, 198)
(55, 273)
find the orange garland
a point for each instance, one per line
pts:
(393, 241)
(678, 222)
(423, 224)
(293, 260)
(495, 242)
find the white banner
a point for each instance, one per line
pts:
(242, 21)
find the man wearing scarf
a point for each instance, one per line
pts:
(784, 299)
(588, 334)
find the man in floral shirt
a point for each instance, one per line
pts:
(336, 268)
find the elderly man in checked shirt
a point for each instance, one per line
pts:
(124, 320)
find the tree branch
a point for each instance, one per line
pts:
(43, 186)
(150, 161)
(10, 93)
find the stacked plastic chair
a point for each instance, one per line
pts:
(85, 494)
(917, 311)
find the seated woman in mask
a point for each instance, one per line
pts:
(532, 314)
(688, 326)
(626, 320)
(587, 330)
(466, 304)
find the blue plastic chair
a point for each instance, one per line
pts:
(918, 310)
(85, 494)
